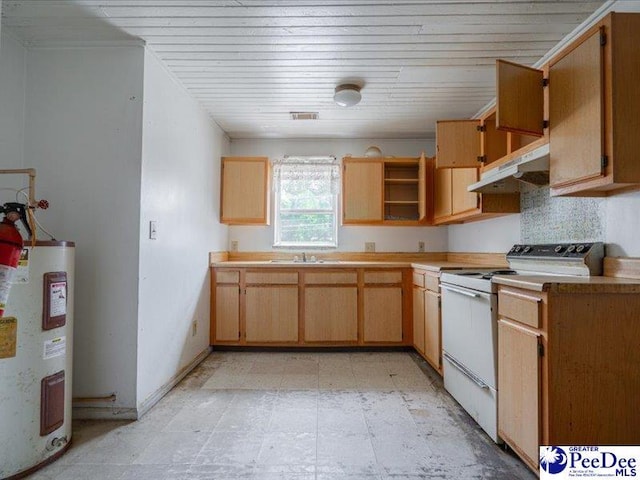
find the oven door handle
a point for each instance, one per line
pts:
(465, 371)
(466, 293)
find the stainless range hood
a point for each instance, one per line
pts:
(531, 167)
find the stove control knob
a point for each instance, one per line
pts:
(558, 249)
(571, 249)
(580, 248)
(527, 249)
(517, 248)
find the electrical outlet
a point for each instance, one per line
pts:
(194, 328)
(234, 245)
(370, 247)
(421, 246)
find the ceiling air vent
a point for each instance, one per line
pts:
(304, 115)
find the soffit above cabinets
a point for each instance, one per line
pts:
(251, 62)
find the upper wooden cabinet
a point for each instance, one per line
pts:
(593, 110)
(442, 194)
(362, 186)
(478, 143)
(386, 191)
(453, 203)
(519, 98)
(457, 143)
(244, 191)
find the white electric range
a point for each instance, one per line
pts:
(470, 321)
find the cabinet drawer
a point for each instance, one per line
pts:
(330, 278)
(383, 277)
(280, 278)
(418, 279)
(522, 307)
(431, 282)
(227, 277)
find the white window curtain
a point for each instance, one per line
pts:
(307, 169)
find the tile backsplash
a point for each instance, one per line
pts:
(560, 219)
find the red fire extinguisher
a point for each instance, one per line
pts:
(11, 244)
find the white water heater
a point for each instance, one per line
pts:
(36, 340)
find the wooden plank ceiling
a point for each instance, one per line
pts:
(251, 62)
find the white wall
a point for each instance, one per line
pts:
(12, 98)
(350, 238)
(493, 235)
(181, 150)
(623, 225)
(83, 133)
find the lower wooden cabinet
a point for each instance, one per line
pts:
(433, 329)
(567, 366)
(227, 308)
(426, 317)
(418, 319)
(330, 314)
(307, 306)
(271, 313)
(519, 381)
(382, 309)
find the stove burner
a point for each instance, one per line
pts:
(487, 276)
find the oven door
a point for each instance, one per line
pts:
(470, 331)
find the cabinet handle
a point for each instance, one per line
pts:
(461, 292)
(521, 296)
(465, 371)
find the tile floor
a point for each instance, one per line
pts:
(298, 416)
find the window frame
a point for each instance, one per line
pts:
(277, 223)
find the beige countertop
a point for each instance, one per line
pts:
(321, 264)
(439, 266)
(429, 266)
(568, 284)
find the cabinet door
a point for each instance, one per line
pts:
(418, 318)
(244, 190)
(227, 327)
(576, 112)
(271, 314)
(442, 193)
(382, 314)
(330, 314)
(432, 349)
(519, 387)
(461, 199)
(519, 98)
(493, 142)
(422, 188)
(457, 143)
(362, 191)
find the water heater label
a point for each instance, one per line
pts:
(8, 336)
(58, 299)
(55, 347)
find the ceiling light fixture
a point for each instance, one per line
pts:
(347, 95)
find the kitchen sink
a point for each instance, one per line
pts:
(300, 262)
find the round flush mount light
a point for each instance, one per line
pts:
(347, 95)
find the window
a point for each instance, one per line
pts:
(306, 201)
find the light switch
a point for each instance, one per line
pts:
(153, 230)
